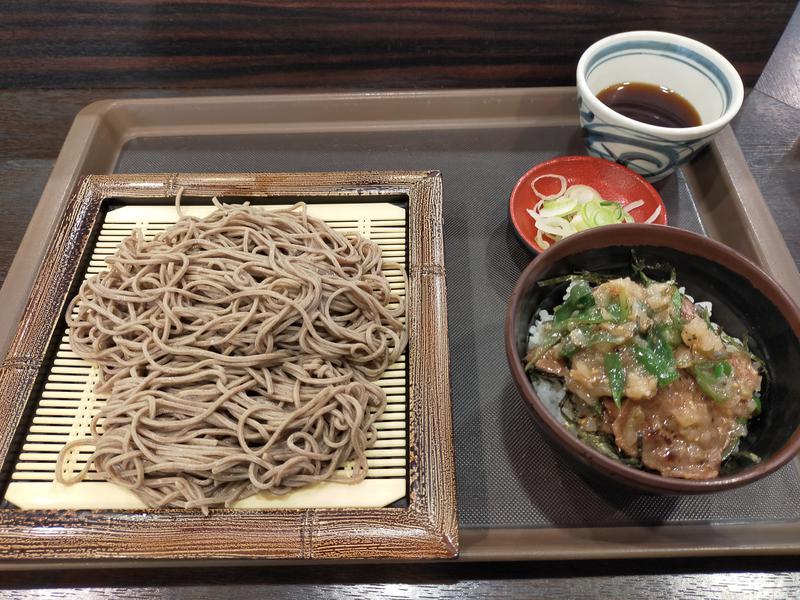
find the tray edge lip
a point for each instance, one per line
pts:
(773, 254)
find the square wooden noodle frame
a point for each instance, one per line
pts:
(426, 529)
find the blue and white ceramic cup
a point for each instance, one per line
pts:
(698, 73)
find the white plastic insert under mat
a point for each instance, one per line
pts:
(68, 403)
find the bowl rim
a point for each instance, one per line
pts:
(670, 133)
(631, 235)
(570, 158)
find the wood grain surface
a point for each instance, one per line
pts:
(33, 122)
(768, 132)
(352, 43)
(781, 76)
(770, 578)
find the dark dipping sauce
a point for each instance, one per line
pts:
(651, 104)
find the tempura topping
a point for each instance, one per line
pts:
(649, 378)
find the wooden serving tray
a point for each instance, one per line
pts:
(407, 205)
(481, 141)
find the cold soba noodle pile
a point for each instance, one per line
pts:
(239, 354)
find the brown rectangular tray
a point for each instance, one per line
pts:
(516, 499)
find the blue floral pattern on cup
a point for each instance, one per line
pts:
(646, 154)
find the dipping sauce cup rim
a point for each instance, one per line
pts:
(682, 133)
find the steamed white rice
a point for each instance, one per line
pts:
(551, 392)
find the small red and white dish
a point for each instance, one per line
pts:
(571, 193)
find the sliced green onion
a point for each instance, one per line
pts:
(539, 239)
(558, 208)
(657, 359)
(722, 369)
(706, 377)
(616, 376)
(561, 180)
(582, 193)
(554, 226)
(606, 215)
(654, 216)
(634, 205)
(578, 223)
(580, 298)
(618, 309)
(576, 208)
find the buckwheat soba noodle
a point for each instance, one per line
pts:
(239, 353)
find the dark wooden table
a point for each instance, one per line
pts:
(33, 123)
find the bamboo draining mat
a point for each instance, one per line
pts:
(67, 402)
